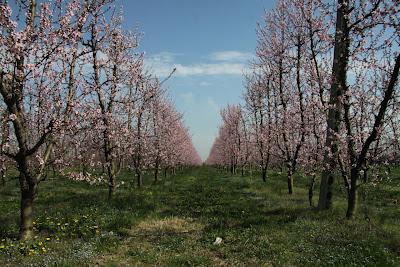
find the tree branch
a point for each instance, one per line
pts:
(382, 110)
(41, 141)
(369, 14)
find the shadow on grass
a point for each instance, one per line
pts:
(259, 222)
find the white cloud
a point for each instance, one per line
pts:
(204, 83)
(231, 56)
(164, 57)
(163, 63)
(209, 69)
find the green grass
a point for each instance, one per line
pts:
(175, 222)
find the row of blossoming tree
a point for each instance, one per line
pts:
(76, 98)
(322, 97)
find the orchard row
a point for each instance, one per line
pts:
(322, 98)
(76, 98)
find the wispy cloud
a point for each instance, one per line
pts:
(163, 57)
(222, 63)
(209, 69)
(231, 56)
(204, 83)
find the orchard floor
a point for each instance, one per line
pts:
(176, 221)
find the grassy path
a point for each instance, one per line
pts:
(175, 222)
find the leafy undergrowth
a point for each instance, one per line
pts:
(175, 222)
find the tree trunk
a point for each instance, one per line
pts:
(111, 180)
(290, 182)
(264, 174)
(139, 179)
(28, 192)
(156, 174)
(326, 189)
(111, 186)
(53, 167)
(352, 194)
(84, 168)
(311, 191)
(289, 167)
(339, 76)
(3, 177)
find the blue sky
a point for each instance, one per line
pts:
(209, 42)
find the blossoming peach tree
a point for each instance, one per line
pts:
(75, 97)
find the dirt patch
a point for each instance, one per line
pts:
(168, 225)
(145, 239)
